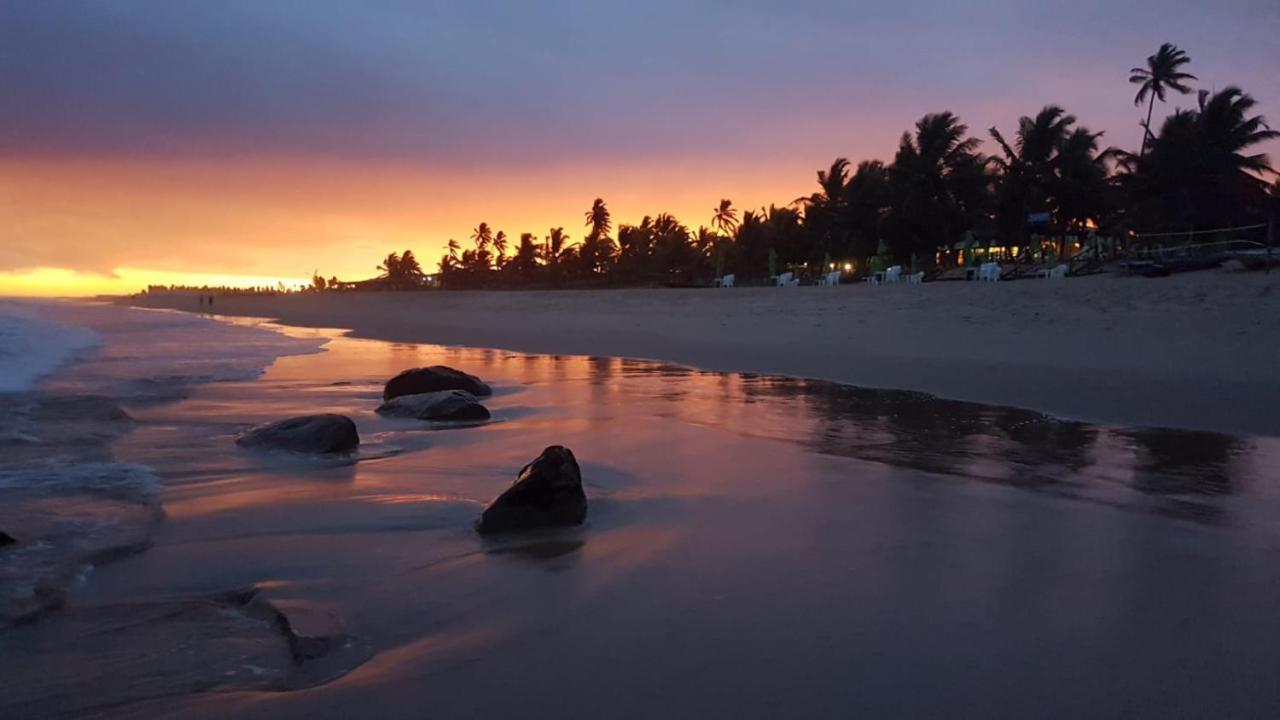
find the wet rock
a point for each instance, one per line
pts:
(6, 539)
(326, 433)
(442, 405)
(433, 379)
(547, 492)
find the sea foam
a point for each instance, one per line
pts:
(32, 347)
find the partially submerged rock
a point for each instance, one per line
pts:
(442, 405)
(547, 492)
(325, 433)
(433, 379)
(7, 539)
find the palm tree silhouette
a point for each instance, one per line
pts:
(1159, 76)
(1199, 170)
(599, 219)
(500, 244)
(725, 218)
(596, 248)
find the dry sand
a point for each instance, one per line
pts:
(1196, 351)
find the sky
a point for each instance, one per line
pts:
(251, 141)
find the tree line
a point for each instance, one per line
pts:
(1050, 176)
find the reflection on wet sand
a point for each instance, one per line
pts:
(766, 536)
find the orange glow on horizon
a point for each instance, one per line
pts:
(88, 226)
(60, 282)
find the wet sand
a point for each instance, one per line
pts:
(755, 547)
(1195, 351)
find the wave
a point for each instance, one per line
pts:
(32, 347)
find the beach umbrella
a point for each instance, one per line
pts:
(773, 263)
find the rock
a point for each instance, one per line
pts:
(443, 405)
(6, 539)
(547, 492)
(433, 379)
(327, 433)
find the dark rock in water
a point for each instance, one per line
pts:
(433, 379)
(7, 539)
(327, 433)
(547, 492)
(443, 405)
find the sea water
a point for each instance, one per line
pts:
(63, 494)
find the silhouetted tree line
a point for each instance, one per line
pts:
(1051, 177)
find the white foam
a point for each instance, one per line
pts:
(32, 347)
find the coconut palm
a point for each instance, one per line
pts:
(597, 248)
(500, 245)
(1200, 170)
(1161, 74)
(725, 218)
(940, 185)
(390, 266)
(556, 246)
(598, 218)
(482, 236)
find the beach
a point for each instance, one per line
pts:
(1194, 351)
(755, 545)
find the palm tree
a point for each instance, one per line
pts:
(940, 186)
(725, 218)
(482, 236)
(1161, 74)
(390, 266)
(1199, 170)
(597, 248)
(599, 219)
(500, 244)
(409, 267)
(557, 243)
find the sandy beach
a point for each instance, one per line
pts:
(755, 546)
(1195, 351)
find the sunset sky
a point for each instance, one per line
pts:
(176, 141)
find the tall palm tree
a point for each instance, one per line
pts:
(1161, 74)
(940, 185)
(482, 236)
(599, 219)
(454, 247)
(597, 247)
(500, 245)
(725, 218)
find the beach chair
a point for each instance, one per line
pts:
(787, 279)
(1058, 272)
(990, 272)
(727, 281)
(893, 274)
(832, 278)
(915, 278)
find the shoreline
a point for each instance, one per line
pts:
(1196, 351)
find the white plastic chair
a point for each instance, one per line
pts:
(893, 274)
(915, 278)
(1058, 272)
(727, 281)
(990, 272)
(784, 280)
(832, 278)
